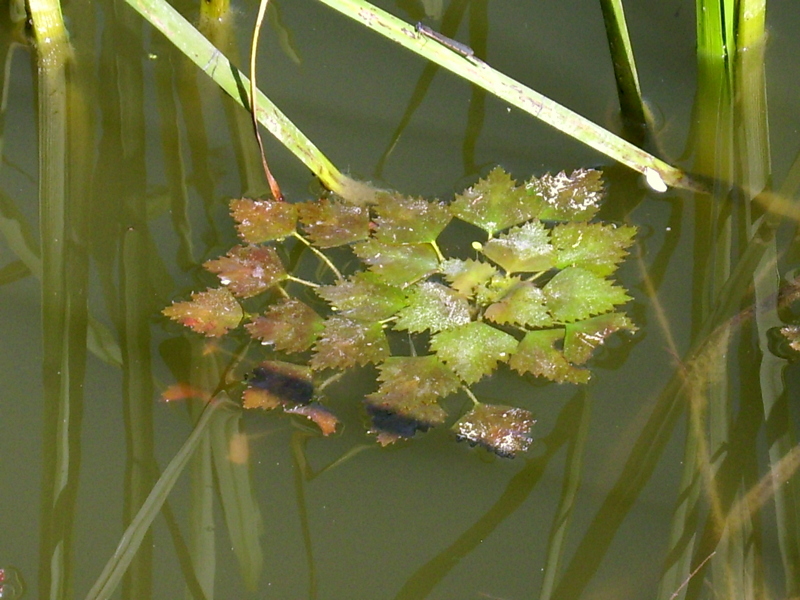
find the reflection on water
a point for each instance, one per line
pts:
(673, 471)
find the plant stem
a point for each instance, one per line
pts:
(320, 255)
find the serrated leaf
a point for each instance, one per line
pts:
(432, 306)
(524, 249)
(465, 275)
(291, 384)
(345, 343)
(494, 203)
(364, 297)
(316, 412)
(575, 294)
(248, 270)
(473, 350)
(389, 426)
(594, 246)
(259, 221)
(537, 354)
(403, 220)
(584, 336)
(504, 430)
(525, 306)
(425, 376)
(330, 223)
(792, 335)
(496, 289)
(289, 325)
(212, 313)
(258, 398)
(565, 197)
(398, 264)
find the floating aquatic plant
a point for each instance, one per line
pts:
(532, 290)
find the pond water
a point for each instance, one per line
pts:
(611, 501)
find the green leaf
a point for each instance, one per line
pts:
(504, 430)
(524, 249)
(333, 223)
(432, 306)
(575, 294)
(568, 198)
(403, 220)
(465, 275)
(248, 270)
(364, 297)
(211, 313)
(594, 246)
(398, 264)
(496, 289)
(584, 336)
(525, 306)
(289, 325)
(495, 203)
(537, 354)
(345, 343)
(473, 350)
(260, 221)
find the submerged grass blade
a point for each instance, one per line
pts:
(513, 92)
(242, 515)
(136, 531)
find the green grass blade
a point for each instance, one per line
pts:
(514, 93)
(619, 42)
(136, 531)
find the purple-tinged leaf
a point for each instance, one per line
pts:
(345, 343)
(333, 223)
(504, 430)
(212, 313)
(473, 350)
(537, 354)
(289, 325)
(259, 221)
(248, 270)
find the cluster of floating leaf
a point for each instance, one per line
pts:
(535, 292)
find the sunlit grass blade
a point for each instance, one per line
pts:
(513, 92)
(135, 533)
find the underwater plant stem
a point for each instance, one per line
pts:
(135, 533)
(320, 255)
(470, 395)
(273, 184)
(438, 251)
(310, 284)
(515, 93)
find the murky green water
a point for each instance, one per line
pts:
(153, 162)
